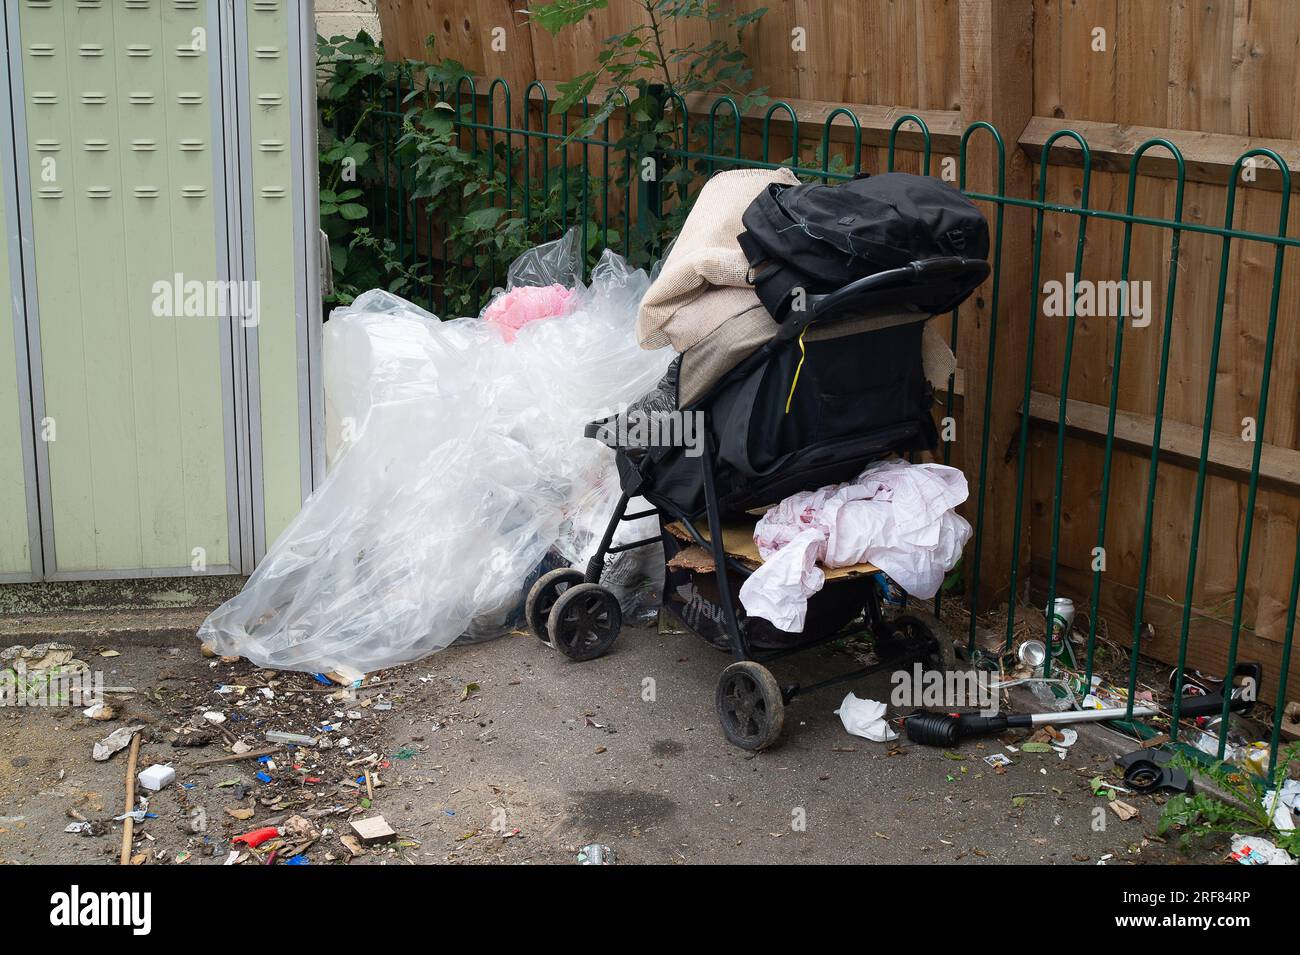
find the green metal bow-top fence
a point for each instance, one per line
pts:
(550, 180)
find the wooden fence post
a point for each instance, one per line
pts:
(996, 58)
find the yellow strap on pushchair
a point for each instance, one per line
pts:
(797, 368)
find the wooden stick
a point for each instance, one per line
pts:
(128, 824)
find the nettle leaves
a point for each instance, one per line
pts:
(644, 55)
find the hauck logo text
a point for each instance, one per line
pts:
(77, 908)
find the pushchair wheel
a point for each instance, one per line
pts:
(750, 705)
(584, 622)
(542, 596)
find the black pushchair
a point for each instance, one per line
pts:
(839, 385)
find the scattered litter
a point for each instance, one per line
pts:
(865, 718)
(189, 738)
(114, 742)
(258, 836)
(43, 658)
(998, 759)
(346, 676)
(156, 777)
(598, 854)
(1032, 653)
(1150, 770)
(87, 828)
(214, 717)
(373, 830)
(1103, 787)
(99, 711)
(237, 757)
(1122, 809)
(1282, 807)
(137, 815)
(1256, 850)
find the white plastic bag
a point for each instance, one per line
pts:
(459, 465)
(865, 718)
(897, 516)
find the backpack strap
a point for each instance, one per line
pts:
(755, 254)
(776, 282)
(776, 286)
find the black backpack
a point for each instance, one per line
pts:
(820, 238)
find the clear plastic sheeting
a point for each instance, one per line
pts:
(551, 263)
(459, 473)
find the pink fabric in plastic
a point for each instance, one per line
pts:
(527, 303)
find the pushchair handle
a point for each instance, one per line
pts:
(925, 287)
(921, 286)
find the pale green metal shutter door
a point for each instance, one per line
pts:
(122, 170)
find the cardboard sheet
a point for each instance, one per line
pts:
(738, 541)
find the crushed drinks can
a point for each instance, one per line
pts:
(1032, 653)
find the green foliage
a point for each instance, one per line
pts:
(553, 17)
(477, 200)
(632, 61)
(1201, 814)
(954, 582)
(385, 163)
(358, 84)
(641, 69)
